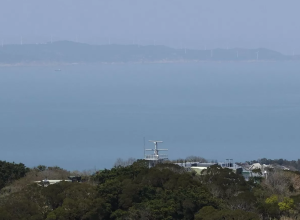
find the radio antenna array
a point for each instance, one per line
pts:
(155, 155)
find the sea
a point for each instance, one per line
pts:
(86, 116)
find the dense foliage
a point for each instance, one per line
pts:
(10, 172)
(165, 191)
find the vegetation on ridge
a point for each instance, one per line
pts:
(166, 191)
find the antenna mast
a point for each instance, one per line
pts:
(155, 157)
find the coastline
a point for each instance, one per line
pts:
(138, 62)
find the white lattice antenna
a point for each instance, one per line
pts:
(155, 155)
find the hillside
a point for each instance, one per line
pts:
(166, 191)
(71, 52)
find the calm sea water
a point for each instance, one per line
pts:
(86, 116)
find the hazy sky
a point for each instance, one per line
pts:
(191, 23)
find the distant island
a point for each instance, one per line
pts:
(67, 52)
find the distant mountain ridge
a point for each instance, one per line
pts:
(72, 52)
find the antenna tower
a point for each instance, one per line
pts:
(155, 157)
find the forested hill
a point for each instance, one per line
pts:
(133, 192)
(71, 52)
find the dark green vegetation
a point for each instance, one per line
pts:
(71, 52)
(166, 191)
(10, 172)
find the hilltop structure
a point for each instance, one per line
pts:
(200, 167)
(155, 157)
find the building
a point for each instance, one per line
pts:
(47, 182)
(199, 167)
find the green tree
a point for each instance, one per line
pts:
(286, 205)
(10, 172)
(210, 213)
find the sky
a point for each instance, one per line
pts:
(193, 24)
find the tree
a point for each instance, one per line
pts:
(210, 213)
(10, 172)
(279, 182)
(286, 205)
(223, 182)
(124, 163)
(165, 191)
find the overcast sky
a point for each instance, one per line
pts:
(191, 23)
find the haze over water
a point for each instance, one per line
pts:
(86, 116)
